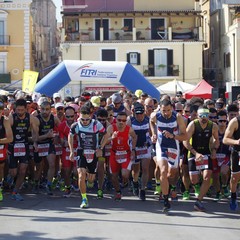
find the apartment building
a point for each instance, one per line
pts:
(15, 39)
(162, 39)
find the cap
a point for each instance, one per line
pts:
(116, 98)
(138, 93)
(56, 95)
(59, 104)
(138, 108)
(95, 100)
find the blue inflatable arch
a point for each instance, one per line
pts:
(95, 71)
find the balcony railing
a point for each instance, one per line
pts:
(5, 78)
(161, 70)
(4, 40)
(141, 34)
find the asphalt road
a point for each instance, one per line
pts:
(53, 217)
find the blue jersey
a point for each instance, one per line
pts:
(170, 125)
(142, 131)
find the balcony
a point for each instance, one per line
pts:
(4, 40)
(5, 78)
(161, 70)
(137, 34)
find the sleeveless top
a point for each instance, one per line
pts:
(236, 135)
(142, 131)
(201, 137)
(20, 128)
(45, 127)
(121, 142)
(170, 125)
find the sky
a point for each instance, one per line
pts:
(58, 4)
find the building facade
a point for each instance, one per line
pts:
(163, 39)
(15, 39)
(45, 36)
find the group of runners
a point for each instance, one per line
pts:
(128, 139)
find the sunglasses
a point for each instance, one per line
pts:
(212, 117)
(116, 103)
(101, 120)
(186, 111)
(222, 120)
(121, 120)
(203, 116)
(177, 110)
(85, 119)
(70, 116)
(60, 108)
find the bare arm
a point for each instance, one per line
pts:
(228, 136)
(153, 127)
(8, 130)
(134, 137)
(182, 136)
(107, 137)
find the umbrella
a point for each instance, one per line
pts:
(173, 86)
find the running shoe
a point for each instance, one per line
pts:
(198, 206)
(84, 203)
(118, 197)
(75, 188)
(157, 190)
(90, 185)
(1, 195)
(174, 196)
(226, 192)
(54, 183)
(218, 197)
(149, 185)
(35, 188)
(100, 194)
(197, 190)
(186, 195)
(142, 195)
(166, 206)
(233, 204)
(161, 198)
(17, 196)
(67, 193)
(49, 190)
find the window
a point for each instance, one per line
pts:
(227, 60)
(108, 55)
(133, 58)
(160, 62)
(3, 62)
(127, 25)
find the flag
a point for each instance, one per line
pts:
(29, 81)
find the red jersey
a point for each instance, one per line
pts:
(121, 142)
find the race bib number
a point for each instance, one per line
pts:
(19, 150)
(2, 152)
(141, 152)
(203, 164)
(121, 156)
(58, 149)
(68, 154)
(89, 155)
(172, 154)
(221, 158)
(43, 149)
